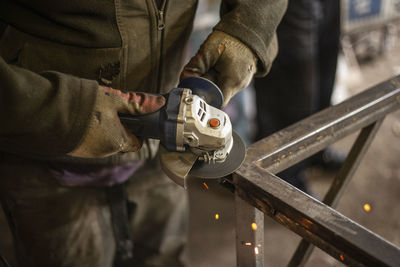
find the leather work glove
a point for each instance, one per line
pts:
(106, 135)
(224, 60)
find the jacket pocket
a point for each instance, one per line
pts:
(38, 55)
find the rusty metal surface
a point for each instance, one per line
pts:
(339, 184)
(304, 138)
(316, 222)
(249, 234)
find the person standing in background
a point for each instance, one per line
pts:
(302, 77)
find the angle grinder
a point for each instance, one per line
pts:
(196, 136)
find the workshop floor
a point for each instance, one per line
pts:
(377, 183)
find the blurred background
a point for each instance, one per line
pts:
(369, 52)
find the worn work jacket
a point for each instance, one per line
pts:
(55, 53)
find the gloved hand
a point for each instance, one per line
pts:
(224, 60)
(106, 135)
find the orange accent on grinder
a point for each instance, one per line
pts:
(214, 123)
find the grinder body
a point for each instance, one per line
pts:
(193, 131)
(186, 121)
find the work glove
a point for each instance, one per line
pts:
(226, 61)
(105, 134)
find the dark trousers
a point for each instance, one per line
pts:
(301, 79)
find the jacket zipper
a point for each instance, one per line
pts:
(160, 14)
(160, 17)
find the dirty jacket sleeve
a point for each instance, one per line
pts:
(254, 22)
(43, 114)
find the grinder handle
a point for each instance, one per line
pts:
(145, 126)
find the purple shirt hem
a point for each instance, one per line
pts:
(93, 175)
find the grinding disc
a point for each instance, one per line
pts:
(217, 170)
(204, 88)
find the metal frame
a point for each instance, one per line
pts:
(258, 191)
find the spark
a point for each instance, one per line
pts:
(205, 185)
(256, 250)
(341, 257)
(254, 226)
(217, 216)
(247, 244)
(367, 207)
